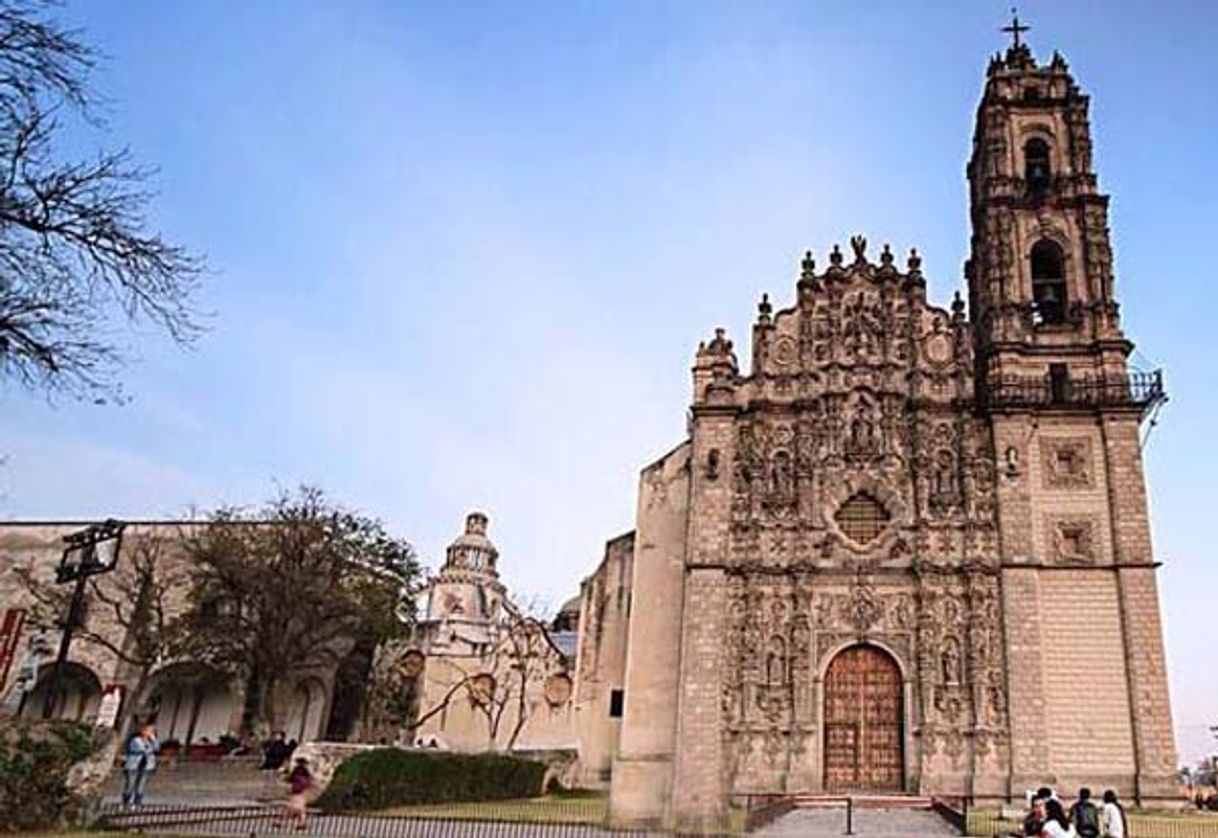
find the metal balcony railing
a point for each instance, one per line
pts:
(1058, 388)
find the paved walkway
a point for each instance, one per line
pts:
(871, 823)
(227, 783)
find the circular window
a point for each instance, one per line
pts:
(558, 690)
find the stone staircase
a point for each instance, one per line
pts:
(863, 800)
(223, 782)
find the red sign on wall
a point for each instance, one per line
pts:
(10, 635)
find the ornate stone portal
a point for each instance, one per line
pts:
(861, 511)
(909, 550)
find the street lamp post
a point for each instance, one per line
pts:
(89, 552)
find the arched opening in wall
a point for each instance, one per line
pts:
(864, 733)
(304, 718)
(1048, 265)
(190, 703)
(77, 695)
(1037, 170)
(350, 691)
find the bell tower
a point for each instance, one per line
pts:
(1040, 273)
(1078, 575)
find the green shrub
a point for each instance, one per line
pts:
(34, 762)
(393, 777)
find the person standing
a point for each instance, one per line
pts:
(139, 760)
(1085, 816)
(1115, 825)
(300, 780)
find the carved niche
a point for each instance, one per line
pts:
(1072, 540)
(766, 689)
(1066, 462)
(961, 667)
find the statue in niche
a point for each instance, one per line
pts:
(951, 612)
(780, 476)
(951, 661)
(862, 435)
(944, 479)
(860, 327)
(776, 662)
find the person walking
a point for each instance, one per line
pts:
(300, 781)
(139, 760)
(1115, 824)
(1085, 816)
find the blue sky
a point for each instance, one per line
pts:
(463, 252)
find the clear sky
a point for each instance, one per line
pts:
(463, 252)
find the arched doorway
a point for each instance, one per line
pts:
(305, 711)
(76, 697)
(864, 722)
(189, 703)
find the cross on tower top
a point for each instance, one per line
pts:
(1015, 28)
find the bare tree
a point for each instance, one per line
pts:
(290, 589)
(506, 682)
(130, 611)
(77, 257)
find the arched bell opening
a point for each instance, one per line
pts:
(1049, 295)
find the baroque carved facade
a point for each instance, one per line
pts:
(864, 567)
(862, 508)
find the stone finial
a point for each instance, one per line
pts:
(807, 268)
(914, 262)
(835, 257)
(886, 256)
(858, 244)
(957, 307)
(475, 523)
(764, 309)
(719, 345)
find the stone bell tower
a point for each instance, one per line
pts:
(465, 597)
(1086, 674)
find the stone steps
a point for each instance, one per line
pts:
(864, 800)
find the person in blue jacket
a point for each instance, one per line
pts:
(139, 760)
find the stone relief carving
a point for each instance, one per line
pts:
(862, 392)
(1066, 462)
(1072, 539)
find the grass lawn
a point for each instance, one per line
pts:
(583, 807)
(1143, 824)
(567, 807)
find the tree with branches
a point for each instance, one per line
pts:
(507, 683)
(291, 589)
(131, 612)
(78, 259)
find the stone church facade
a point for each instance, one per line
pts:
(908, 549)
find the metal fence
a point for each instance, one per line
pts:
(274, 820)
(990, 824)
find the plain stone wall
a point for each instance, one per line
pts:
(605, 604)
(642, 774)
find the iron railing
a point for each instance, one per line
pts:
(251, 821)
(1058, 388)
